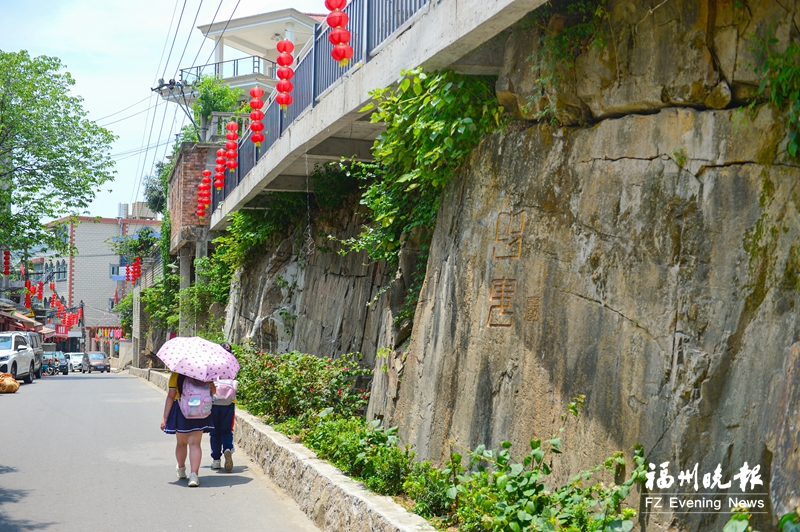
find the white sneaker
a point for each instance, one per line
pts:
(216, 464)
(181, 471)
(228, 460)
(193, 480)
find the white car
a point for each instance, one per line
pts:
(75, 361)
(16, 356)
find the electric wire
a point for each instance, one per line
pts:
(121, 110)
(216, 43)
(142, 162)
(213, 19)
(127, 117)
(177, 29)
(189, 38)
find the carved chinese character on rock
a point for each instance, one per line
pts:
(508, 235)
(500, 292)
(532, 305)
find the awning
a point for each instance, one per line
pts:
(47, 332)
(23, 322)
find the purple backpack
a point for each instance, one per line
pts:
(195, 401)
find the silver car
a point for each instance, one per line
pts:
(16, 356)
(75, 361)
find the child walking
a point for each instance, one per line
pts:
(222, 417)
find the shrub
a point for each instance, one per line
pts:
(279, 387)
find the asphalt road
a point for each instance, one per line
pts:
(85, 453)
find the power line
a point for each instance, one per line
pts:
(121, 110)
(127, 117)
(194, 61)
(177, 28)
(216, 43)
(189, 38)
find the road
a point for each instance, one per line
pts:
(85, 453)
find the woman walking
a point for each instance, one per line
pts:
(189, 432)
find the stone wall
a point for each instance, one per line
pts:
(321, 303)
(647, 259)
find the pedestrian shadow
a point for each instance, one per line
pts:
(220, 480)
(11, 496)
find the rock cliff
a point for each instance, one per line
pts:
(644, 252)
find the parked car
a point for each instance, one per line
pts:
(75, 360)
(35, 343)
(16, 356)
(95, 360)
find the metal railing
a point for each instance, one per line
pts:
(372, 23)
(230, 69)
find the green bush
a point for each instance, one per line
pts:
(279, 387)
(428, 486)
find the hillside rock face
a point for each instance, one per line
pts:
(649, 261)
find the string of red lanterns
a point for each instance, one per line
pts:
(256, 115)
(285, 73)
(339, 35)
(232, 146)
(219, 176)
(6, 262)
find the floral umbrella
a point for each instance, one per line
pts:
(198, 358)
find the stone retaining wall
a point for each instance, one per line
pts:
(333, 501)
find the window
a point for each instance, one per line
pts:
(18, 341)
(110, 303)
(114, 269)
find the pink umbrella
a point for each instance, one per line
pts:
(198, 358)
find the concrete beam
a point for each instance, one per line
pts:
(290, 183)
(437, 37)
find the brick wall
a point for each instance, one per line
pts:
(187, 174)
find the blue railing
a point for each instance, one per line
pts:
(372, 22)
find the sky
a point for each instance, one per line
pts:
(116, 50)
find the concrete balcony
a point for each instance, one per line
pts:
(324, 123)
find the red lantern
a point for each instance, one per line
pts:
(232, 164)
(53, 301)
(337, 19)
(333, 5)
(232, 126)
(284, 100)
(40, 291)
(256, 103)
(256, 116)
(339, 36)
(257, 92)
(285, 73)
(27, 300)
(52, 286)
(285, 46)
(285, 59)
(258, 138)
(219, 184)
(284, 85)
(220, 167)
(206, 173)
(342, 53)
(220, 160)
(256, 126)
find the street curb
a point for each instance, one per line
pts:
(333, 501)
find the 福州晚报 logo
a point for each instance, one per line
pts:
(688, 491)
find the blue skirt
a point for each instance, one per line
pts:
(176, 422)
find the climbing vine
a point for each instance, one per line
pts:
(433, 120)
(567, 29)
(780, 83)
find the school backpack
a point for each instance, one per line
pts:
(226, 391)
(195, 401)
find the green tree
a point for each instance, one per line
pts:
(125, 309)
(214, 95)
(52, 159)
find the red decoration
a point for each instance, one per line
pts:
(342, 53)
(27, 300)
(284, 100)
(40, 291)
(231, 154)
(52, 286)
(333, 5)
(206, 173)
(285, 73)
(256, 125)
(53, 301)
(6, 262)
(337, 18)
(339, 35)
